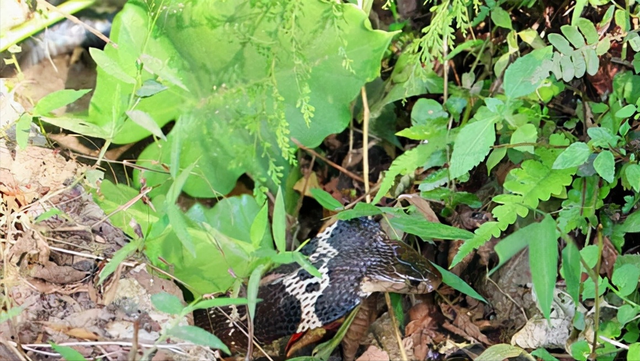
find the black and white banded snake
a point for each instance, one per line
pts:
(355, 258)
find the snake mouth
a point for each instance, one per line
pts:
(405, 286)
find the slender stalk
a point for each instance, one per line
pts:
(365, 143)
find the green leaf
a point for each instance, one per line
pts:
(252, 289)
(211, 77)
(280, 223)
(560, 43)
(110, 66)
(360, 210)
(632, 172)
(626, 313)
(573, 35)
(406, 163)
(179, 226)
(576, 154)
(543, 354)
(526, 133)
(48, 214)
(325, 199)
(634, 352)
(626, 111)
(625, 278)
(588, 29)
(216, 302)
(534, 181)
(58, 99)
(571, 270)
(580, 350)
(543, 260)
(144, 120)
(428, 230)
(501, 18)
(23, 130)
(259, 226)
(605, 165)
(527, 73)
(197, 336)
(512, 244)
(119, 257)
(300, 259)
(497, 154)
(67, 352)
(167, 303)
(602, 137)
(500, 352)
(472, 145)
(458, 284)
(150, 87)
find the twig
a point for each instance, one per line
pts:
(365, 142)
(74, 19)
(396, 330)
(333, 164)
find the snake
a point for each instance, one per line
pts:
(355, 259)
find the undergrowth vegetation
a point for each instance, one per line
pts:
(542, 110)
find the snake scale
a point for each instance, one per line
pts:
(355, 258)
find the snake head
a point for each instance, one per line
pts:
(403, 271)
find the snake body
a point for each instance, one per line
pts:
(355, 258)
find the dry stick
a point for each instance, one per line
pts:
(596, 316)
(74, 19)
(394, 322)
(365, 143)
(335, 165)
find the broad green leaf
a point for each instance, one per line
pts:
(634, 352)
(238, 108)
(500, 352)
(543, 354)
(527, 73)
(625, 278)
(588, 30)
(23, 130)
(626, 313)
(59, 99)
(626, 111)
(259, 226)
(110, 66)
(534, 182)
(197, 336)
(179, 226)
(501, 18)
(580, 350)
(462, 47)
(144, 120)
(560, 43)
(68, 353)
(280, 222)
(527, 133)
(602, 137)
(512, 244)
(457, 283)
(592, 61)
(571, 270)
(568, 69)
(543, 260)
(632, 172)
(497, 154)
(360, 210)
(472, 145)
(576, 154)
(428, 230)
(79, 125)
(150, 87)
(325, 199)
(605, 165)
(579, 64)
(425, 111)
(234, 216)
(573, 35)
(167, 303)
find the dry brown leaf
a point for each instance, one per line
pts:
(374, 354)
